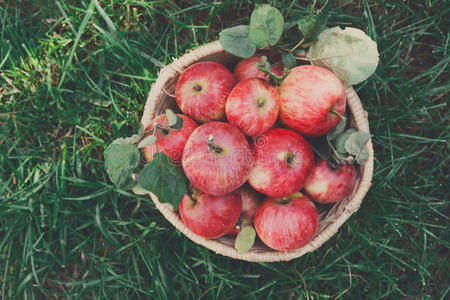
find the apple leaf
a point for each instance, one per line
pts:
(139, 190)
(349, 53)
(340, 142)
(121, 161)
(127, 140)
(245, 239)
(289, 60)
(266, 25)
(148, 141)
(337, 131)
(356, 142)
(175, 122)
(311, 24)
(171, 117)
(363, 156)
(164, 179)
(265, 66)
(236, 40)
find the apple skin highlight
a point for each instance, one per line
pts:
(308, 97)
(210, 216)
(282, 161)
(250, 203)
(325, 185)
(286, 224)
(220, 169)
(248, 68)
(202, 90)
(253, 106)
(171, 142)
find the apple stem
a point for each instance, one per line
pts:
(164, 129)
(296, 46)
(284, 201)
(156, 126)
(212, 146)
(333, 111)
(290, 158)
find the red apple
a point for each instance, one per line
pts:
(311, 98)
(286, 224)
(277, 69)
(169, 141)
(202, 91)
(253, 106)
(282, 161)
(210, 216)
(217, 158)
(250, 202)
(326, 185)
(248, 68)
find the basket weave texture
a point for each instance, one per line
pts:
(161, 97)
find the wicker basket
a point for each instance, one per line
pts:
(161, 97)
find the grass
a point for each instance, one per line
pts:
(74, 75)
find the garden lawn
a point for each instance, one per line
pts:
(74, 75)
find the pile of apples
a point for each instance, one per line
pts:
(248, 160)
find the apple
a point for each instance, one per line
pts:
(248, 68)
(326, 185)
(311, 100)
(210, 216)
(253, 106)
(250, 202)
(217, 158)
(169, 141)
(202, 90)
(277, 69)
(286, 224)
(282, 161)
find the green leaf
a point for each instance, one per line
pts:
(139, 190)
(171, 117)
(266, 25)
(363, 156)
(340, 142)
(308, 25)
(320, 146)
(356, 141)
(121, 161)
(337, 131)
(289, 60)
(311, 24)
(141, 129)
(264, 66)
(236, 40)
(148, 141)
(175, 122)
(349, 53)
(164, 179)
(245, 239)
(126, 141)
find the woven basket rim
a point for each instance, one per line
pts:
(362, 186)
